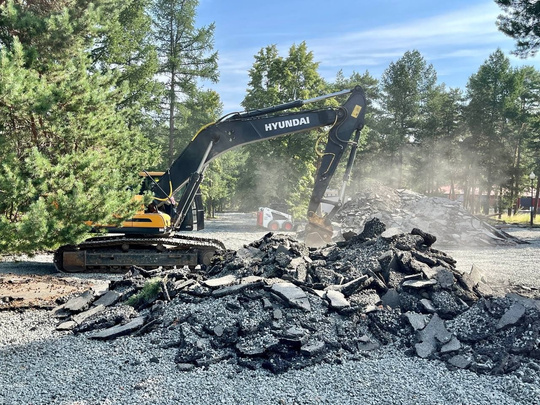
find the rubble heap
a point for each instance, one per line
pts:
(277, 304)
(405, 209)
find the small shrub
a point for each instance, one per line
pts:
(148, 293)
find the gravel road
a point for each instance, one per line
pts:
(39, 365)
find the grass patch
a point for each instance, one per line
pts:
(148, 293)
(523, 218)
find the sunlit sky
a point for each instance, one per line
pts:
(455, 36)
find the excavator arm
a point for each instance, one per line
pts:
(254, 126)
(149, 239)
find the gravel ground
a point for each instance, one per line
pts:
(504, 266)
(39, 365)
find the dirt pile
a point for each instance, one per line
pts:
(405, 209)
(276, 304)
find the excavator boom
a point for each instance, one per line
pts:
(152, 234)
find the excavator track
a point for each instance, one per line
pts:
(116, 254)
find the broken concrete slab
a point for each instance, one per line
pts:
(108, 299)
(292, 294)
(416, 320)
(181, 284)
(419, 283)
(235, 289)
(425, 349)
(444, 277)
(435, 330)
(471, 280)
(81, 302)
(67, 325)
(263, 327)
(460, 361)
(512, 316)
(81, 316)
(250, 252)
(313, 348)
(431, 336)
(297, 261)
(119, 330)
(251, 280)
(428, 306)
(220, 281)
(101, 287)
(391, 298)
(452, 346)
(428, 272)
(337, 300)
(349, 288)
(283, 249)
(424, 258)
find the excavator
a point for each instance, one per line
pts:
(155, 236)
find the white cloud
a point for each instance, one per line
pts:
(455, 42)
(464, 29)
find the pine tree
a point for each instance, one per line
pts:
(405, 85)
(67, 153)
(185, 53)
(281, 170)
(124, 45)
(521, 21)
(492, 94)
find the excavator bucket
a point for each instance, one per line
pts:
(318, 232)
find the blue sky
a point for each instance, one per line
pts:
(455, 36)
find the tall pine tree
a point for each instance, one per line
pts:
(185, 53)
(281, 170)
(67, 153)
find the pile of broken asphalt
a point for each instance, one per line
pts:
(277, 304)
(448, 220)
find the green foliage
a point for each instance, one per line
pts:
(147, 294)
(405, 87)
(124, 45)
(521, 21)
(186, 55)
(492, 95)
(67, 154)
(437, 140)
(280, 170)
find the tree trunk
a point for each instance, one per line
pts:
(486, 203)
(500, 202)
(172, 100)
(536, 197)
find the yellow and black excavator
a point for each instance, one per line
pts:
(154, 237)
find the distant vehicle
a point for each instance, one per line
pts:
(274, 220)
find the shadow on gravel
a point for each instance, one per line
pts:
(27, 267)
(232, 222)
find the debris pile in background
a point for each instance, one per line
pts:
(405, 209)
(276, 304)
